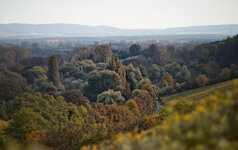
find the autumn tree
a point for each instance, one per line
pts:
(202, 80)
(103, 52)
(81, 53)
(168, 79)
(144, 100)
(11, 56)
(161, 56)
(21, 52)
(132, 105)
(75, 97)
(53, 70)
(67, 137)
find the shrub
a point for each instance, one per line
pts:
(202, 80)
(183, 106)
(225, 74)
(111, 97)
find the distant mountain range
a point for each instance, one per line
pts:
(73, 30)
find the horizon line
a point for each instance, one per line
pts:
(119, 27)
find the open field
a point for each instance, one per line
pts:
(199, 93)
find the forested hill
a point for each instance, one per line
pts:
(224, 52)
(69, 30)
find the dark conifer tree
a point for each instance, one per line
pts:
(53, 70)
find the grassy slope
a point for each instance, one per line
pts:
(199, 93)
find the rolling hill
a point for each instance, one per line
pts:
(73, 30)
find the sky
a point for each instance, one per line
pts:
(131, 14)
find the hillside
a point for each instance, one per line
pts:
(199, 93)
(71, 30)
(91, 95)
(211, 123)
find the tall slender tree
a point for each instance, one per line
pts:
(115, 65)
(53, 70)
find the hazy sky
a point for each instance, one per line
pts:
(121, 13)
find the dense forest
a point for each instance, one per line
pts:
(99, 92)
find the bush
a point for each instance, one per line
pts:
(111, 97)
(202, 80)
(182, 106)
(225, 74)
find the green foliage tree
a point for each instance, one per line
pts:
(43, 85)
(225, 73)
(115, 65)
(133, 76)
(155, 73)
(172, 68)
(184, 75)
(234, 70)
(11, 87)
(86, 65)
(143, 71)
(135, 49)
(53, 70)
(36, 72)
(25, 121)
(111, 97)
(158, 55)
(100, 81)
(55, 110)
(8, 74)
